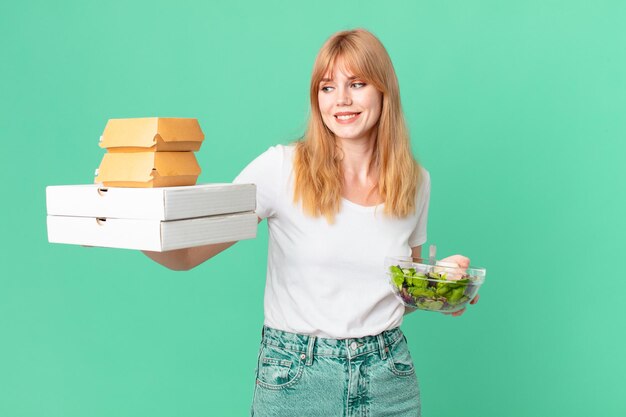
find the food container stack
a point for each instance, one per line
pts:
(145, 198)
(150, 152)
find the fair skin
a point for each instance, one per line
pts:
(350, 108)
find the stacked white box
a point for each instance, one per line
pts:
(155, 219)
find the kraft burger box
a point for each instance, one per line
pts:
(150, 152)
(148, 169)
(156, 134)
(144, 197)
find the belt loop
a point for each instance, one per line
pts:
(381, 346)
(309, 351)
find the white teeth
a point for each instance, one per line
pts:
(346, 117)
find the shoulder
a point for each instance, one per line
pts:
(422, 195)
(278, 153)
(266, 166)
(273, 157)
(287, 151)
(424, 178)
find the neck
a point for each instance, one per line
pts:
(357, 156)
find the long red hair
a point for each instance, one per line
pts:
(317, 162)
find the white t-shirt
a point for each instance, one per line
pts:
(329, 280)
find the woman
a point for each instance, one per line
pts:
(337, 202)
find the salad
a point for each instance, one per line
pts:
(432, 289)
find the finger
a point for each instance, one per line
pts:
(462, 261)
(458, 313)
(457, 259)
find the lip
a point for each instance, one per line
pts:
(346, 113)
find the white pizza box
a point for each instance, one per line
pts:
(151, 234)
(161, 203)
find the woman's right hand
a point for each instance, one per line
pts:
(462, 262)
(187, 258)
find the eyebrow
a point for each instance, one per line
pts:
(354, 77)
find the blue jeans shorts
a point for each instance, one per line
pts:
(307, 376)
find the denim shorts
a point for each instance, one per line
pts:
(307, 376)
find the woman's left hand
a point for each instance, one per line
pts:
(463, 263)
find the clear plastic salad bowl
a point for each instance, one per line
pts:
(442, 287)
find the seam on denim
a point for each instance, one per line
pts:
(303, 349)
(345, 355)
(288, 347)
(279, 362)
(394, 341)
(401, 373)
(309, 351)
(349, 381)
(257, 378)
(381, 346)
(397, 372)
(253, 400)
(398, 335)
(295, 379)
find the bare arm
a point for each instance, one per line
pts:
(188, 258)
(416, 252)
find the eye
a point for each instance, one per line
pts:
(326, 88)
(358, 84)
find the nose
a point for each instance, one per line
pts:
(343, 98)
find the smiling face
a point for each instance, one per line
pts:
(350, 107)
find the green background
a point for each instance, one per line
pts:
(515, 108)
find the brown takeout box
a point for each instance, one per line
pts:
(148, 169)
(156, 134)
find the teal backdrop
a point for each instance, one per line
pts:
(515, 108)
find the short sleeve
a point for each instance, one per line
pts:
(265, 172)
(418, 236)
